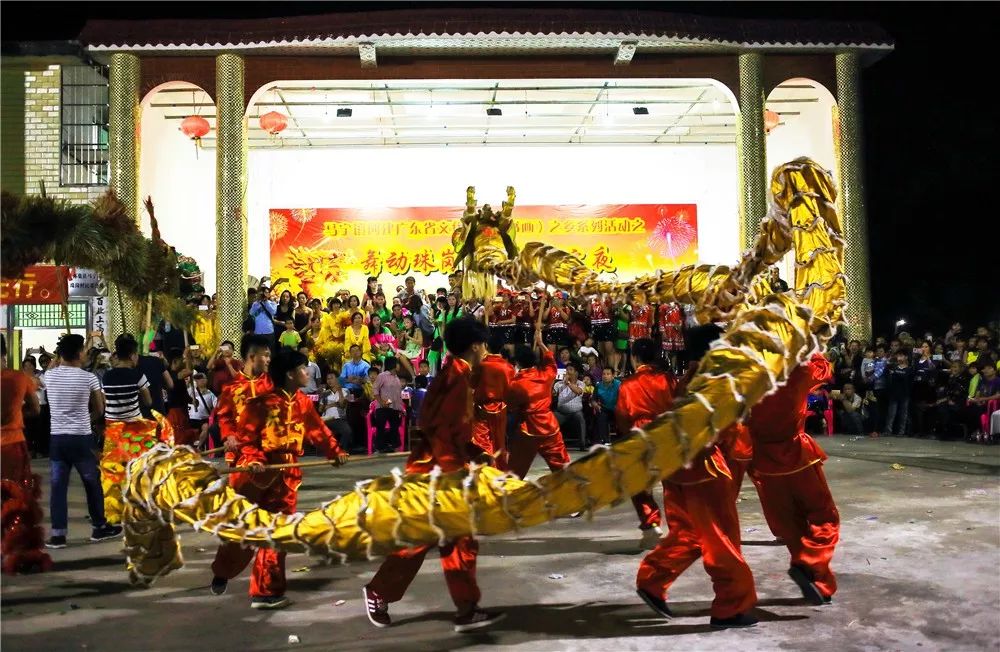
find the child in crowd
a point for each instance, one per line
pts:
(290, 338)
(201, 406)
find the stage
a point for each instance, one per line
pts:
(917, 569)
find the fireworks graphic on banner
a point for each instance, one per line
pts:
(673, 234)
(279, 226)
(303, 216)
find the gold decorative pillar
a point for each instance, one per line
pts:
(123, 150)
(230, 197)
(750, 148)
(852, 196)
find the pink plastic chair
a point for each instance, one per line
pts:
(828, 417)
(984, 418)
(370, 427)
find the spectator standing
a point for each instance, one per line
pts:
(357, 335)
(290, 338)
(223, 367)
(200, 408)
(606, 393)
(75, 400)
(569, 404)
(285, 310)
(923, 394)
(263, 312)
(389, 414)
(899, 386)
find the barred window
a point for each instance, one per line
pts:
(83, 159)
(50, 315)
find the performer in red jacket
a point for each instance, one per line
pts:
(271, 430)
(788, 471)
(446, 419)
(530, 397)
(253, 381)
(492, 380)
(700, 508)
(644, 395)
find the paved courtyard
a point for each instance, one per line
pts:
(918, 567)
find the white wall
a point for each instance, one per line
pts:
(181, 181)
(438, 176)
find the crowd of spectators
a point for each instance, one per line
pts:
(393, 347)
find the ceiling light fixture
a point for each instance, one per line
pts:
(493, 111)
(640, 110)
(345, 113)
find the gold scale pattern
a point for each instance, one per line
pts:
(767, 337)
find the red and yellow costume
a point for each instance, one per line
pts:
(670, 322)
(271, 430)
(788, 472)
(446, 422)
(123, 442)
(644, 395)
(489, 427)
(233, 399)
(640, 323)
(530, 396)
(702, 521)
(23, 537)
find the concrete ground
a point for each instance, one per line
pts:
(918, 567)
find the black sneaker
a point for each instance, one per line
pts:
(56, 541)
(219, 585)
(376, 608)
(739, 620)
(106, 531)
(270, 602)
(809, 591)
(477, 619)
(655, 603)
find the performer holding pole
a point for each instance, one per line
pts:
(787, 469)
(492, 381)
(445, 446)
(530, 397)
(253, 381)
(642, 396)
(700, 509)
(271, 430)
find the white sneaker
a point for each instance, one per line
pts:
(650, 537)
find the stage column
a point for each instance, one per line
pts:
(852, 196)
(230, 197)
(750, 148)
(123, 151)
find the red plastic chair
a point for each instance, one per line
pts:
(371, 428)
(984, 418)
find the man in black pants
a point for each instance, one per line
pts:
(388, 391)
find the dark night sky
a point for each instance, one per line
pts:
(931, 133)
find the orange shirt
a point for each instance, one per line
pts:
(445, 421)
(531, 397)
(777, 423)
(492, 379)
(234, 398)
(14, 387)
(644, 395)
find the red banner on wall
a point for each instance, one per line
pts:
(327, 248)
(39, 284)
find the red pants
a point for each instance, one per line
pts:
(458, 561)
(799, 509)
(739, 469)
(703, 522)
(489, 432)
(523, 449)
(647, 510)
(268, 575)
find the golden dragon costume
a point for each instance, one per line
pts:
(768, 335)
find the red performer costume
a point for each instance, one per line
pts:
(788, 471)
(271, 430)
(703, 522)
(670, 322)
(489, 427)
(530, 397)
(640, 323)
(446, 441)
(234, 398)
(23, 536)
(644, 395)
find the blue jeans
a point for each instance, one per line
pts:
(898, 412)
(66, 452)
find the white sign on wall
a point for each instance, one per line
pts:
(99, 315)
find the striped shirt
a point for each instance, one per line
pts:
(121, 390)
(68, 390)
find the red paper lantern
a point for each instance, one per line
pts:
(771, 120)
(195, 127)
(273, 122)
